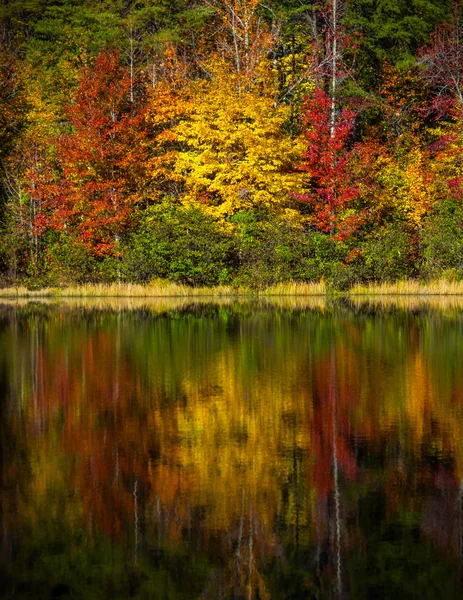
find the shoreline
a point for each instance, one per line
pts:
(163, 289)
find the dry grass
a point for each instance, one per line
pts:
(293, 288)
(156, 289)
(409, 288)
(444, 304)
(162, 289)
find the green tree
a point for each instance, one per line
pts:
(392, 30)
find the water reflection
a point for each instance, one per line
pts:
(231, 450)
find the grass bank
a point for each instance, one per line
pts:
(409, 288)
(162, 289)
(165, 289)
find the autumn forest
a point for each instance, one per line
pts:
(232, 142)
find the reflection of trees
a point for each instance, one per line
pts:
(262, 441)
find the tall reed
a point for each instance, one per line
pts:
(163, 289)
(410, 288)
(166, 289)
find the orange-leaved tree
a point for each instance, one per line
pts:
(167, 104)
(98, 174)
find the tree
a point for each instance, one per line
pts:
(11, 100)
(332, 187)
(442, 63)
(100, 161)
(168, 104)
(391, 30)
(26, 164)
(244, 37)
(442, 70)
(236, 153)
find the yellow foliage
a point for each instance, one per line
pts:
(237, 154)
(167, 105)
(45, 100)
(407, 185)
(448, 163)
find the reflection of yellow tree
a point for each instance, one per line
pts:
(237, 434)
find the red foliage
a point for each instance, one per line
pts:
(100, 161)
(333, 185)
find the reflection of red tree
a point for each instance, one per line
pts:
(103, 433)
(330, 428)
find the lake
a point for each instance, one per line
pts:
(285, 449)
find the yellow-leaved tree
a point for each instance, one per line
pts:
(407, 185)
(237, 154)
(167, 105)
(28, 162)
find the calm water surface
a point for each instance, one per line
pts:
(247, 451)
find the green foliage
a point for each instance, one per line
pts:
(70, 261)
(14, 252)
(442, 240)
(392, 30)
(80, 29)
(178, 244)
(386, 255)
(60, 560)
(269, 250)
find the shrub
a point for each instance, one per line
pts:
(388, 256)
(269, 250)
(178, 244)
(69, 261)
(442, 241)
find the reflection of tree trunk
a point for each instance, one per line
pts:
(135, 515)
(460, 527)
(241, 576)
(251, 548)
(337, 533)
(240, 536)
(158, 510)
(296, 489)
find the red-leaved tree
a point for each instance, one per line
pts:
(99, 166)
(332, 185)
(442, 69)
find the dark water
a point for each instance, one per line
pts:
(231, 451)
